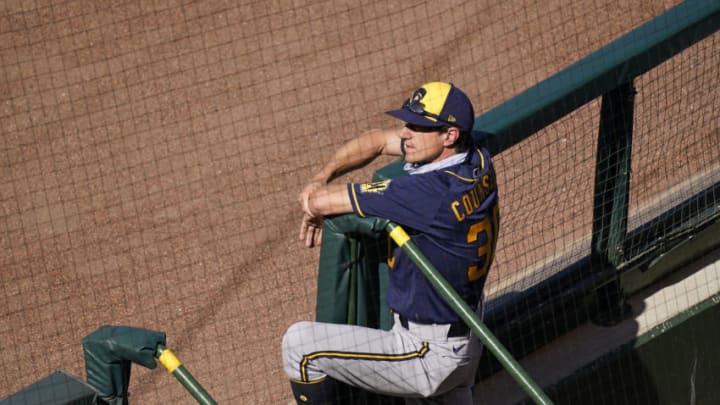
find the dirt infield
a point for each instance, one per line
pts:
(151, 155)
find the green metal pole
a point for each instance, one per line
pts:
(175, 367)
(466, 313)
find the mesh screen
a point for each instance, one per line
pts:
(152, 152)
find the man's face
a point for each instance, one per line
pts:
(423, 144)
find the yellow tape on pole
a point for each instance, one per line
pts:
(168, 359)
(399, 235)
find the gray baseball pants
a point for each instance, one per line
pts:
(419, 363)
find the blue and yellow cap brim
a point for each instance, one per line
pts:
(415, 119)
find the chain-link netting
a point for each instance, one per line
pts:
(151, 155)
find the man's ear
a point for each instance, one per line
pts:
(451, 136)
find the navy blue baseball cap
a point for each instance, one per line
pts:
(437, 104)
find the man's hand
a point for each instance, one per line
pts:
(311, 230)
(311, 225)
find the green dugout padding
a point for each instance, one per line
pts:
(348, 287)
(353, 273)
(59, 388)
(109, 354)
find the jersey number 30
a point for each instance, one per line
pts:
(487, 251)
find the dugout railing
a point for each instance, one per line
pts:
(352, 273)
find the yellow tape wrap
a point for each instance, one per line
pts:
(399, 236)
(168, 359)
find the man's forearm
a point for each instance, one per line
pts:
(356, 153)
(330, 200)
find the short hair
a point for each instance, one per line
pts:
(464, 140)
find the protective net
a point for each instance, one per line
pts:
(152, 153)
(548, 248)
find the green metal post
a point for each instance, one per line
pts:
(466, 313)
(612, 175)
(175, 367)
(610, 205)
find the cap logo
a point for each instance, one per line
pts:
(428, 101)
(418, 95)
